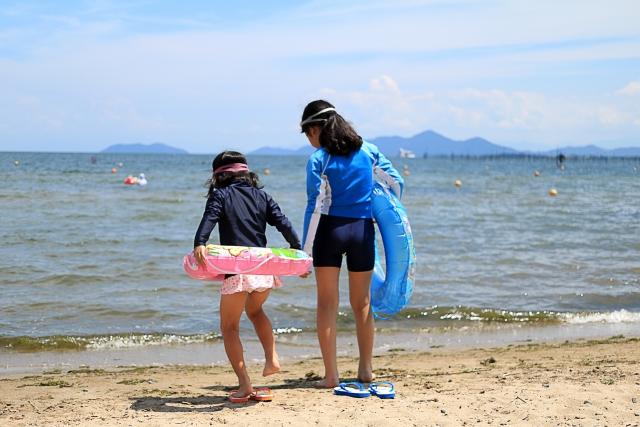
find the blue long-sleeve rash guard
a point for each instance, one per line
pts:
(243, 213)
(351, 181)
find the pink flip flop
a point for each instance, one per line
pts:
(262, 394)
(238, 399)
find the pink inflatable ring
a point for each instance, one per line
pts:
(223, 260)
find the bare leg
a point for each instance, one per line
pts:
(328, 299)
(262, 325)
(231, 308)
(360, 299)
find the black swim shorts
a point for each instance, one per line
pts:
(337, 236)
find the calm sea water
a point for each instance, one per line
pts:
(86, 261)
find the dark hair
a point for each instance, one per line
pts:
(223, 179)
(337, 135)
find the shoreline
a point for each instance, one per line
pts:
(300, 346)
(592, 382)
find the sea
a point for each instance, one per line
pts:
(91, 269)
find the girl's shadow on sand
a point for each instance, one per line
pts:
(205, 403)
(184, 404)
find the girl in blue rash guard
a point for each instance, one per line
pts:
(338, 221)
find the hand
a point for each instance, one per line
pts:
(200, 252)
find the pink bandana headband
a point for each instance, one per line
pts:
(233, 167)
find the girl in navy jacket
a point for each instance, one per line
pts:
(242, 210)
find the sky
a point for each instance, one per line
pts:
(80, 75)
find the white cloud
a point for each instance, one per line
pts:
(611, 116)
(124, 113)
(384, 83)
(632, 88)
(383, 108)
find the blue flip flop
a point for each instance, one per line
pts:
(383, 389)
(353, 389)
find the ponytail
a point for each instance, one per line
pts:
(337, 136)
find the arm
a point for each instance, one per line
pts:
(277, 219)
(314, 168)
(210, 218)
(384, 164)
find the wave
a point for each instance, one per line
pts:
(27, 344)
(163, 240)
(491, 315)
(16, 196)
(459, 316)
(618, 316)
(71, 279)
(165, 200)
(153, 216)
(99, 342)
(101, 311)
(446, 317)
(452, 314)
(474, 314)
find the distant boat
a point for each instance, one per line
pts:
(406, 154)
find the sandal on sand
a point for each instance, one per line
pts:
(262, 394)
(352, 389)
(383, 389)
(238, 399)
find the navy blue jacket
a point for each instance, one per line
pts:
(243, 213)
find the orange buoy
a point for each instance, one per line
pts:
(114, 170)
(266, 171)
(553, 192)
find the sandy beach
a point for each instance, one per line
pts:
(584, 382)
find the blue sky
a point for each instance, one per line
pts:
(209, 75)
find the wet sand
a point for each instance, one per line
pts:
(595, 382)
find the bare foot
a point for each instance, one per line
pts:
(242, 392)
(366, 376)
(327, 383)
(271, 367)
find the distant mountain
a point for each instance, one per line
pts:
(625, 151)
(156, 148)
(433, 144)
(430, 143)
(592, 150)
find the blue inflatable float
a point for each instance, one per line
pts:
(391, 289)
